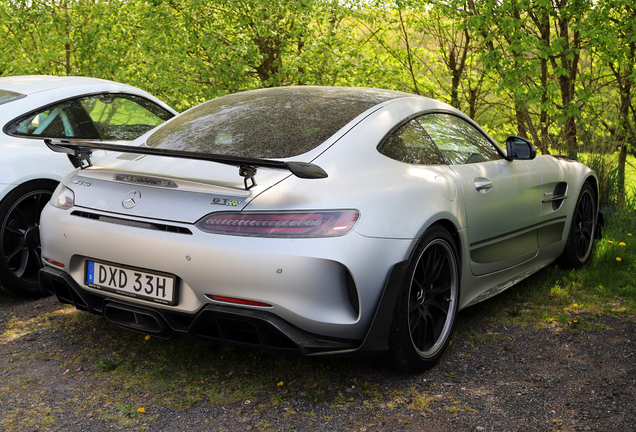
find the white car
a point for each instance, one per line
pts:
(33, 108)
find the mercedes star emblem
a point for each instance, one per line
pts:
(131, 199)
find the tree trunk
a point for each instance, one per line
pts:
(568, 64)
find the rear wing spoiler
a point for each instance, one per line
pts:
(80, 153)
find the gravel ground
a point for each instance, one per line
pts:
(492, 378)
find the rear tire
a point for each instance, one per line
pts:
(580, 242)
(426, 307)
(20, 254)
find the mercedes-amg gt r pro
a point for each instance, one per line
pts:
(316, 220)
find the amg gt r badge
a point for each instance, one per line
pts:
(226, 202)
(131, 199)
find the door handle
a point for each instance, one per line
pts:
(483, 185)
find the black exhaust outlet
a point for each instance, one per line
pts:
(137, 319)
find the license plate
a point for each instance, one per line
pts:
(132, 282)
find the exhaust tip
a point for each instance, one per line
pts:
(137, 319)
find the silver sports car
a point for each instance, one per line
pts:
(315, 220)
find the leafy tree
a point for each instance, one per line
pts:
(551, 69)
(533, 45)
(612, 32)
(65, 37)
(223, 47)
(510, 51)
(424, 49)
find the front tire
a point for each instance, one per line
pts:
(20, 255)
(426, 307)
(578, 248)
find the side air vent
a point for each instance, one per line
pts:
(133, 223)
(558, 196)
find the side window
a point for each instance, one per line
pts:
(410, 144)
(459, 141)
(104, 116)
(123, 117)
(64, 120)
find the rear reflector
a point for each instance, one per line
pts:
(283, 224)
(236, 300)
(55, 263)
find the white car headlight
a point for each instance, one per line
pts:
(64, 198)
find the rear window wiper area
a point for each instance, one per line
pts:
(80, 153)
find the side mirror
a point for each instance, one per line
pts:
(519, 148)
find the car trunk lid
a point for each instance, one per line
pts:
(155, 187)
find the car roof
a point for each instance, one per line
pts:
(360, 94)
(30, 84)
(251, 124)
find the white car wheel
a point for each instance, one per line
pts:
(20, 256)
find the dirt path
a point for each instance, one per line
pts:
(490, 379)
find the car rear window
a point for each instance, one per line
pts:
(8, 96)
(268, 123)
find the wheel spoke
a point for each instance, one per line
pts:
(419, 285)
(429, 332)
(24, 260)
(38, 207)
(413, 306)
(435, 291)
(434, 266)
(14, 231)
(32, 208)
(418, 329)
(18, 248)
(36, 259)
(415, 318)
(22, 216)
(441, 306)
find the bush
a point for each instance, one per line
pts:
(606, 168)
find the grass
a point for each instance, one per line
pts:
(630, 172)
(180, 373)
(606, 168)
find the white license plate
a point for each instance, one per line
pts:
(131, 282)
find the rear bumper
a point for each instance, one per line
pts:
(235, 327)
(326, 286)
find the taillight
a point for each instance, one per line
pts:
(283, 224)
(63, 198)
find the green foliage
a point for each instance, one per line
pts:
(559, 73)
(108, 364)
(606, 169)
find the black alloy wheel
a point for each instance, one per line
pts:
(580, 242)
(427, 304)
(20, 252)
